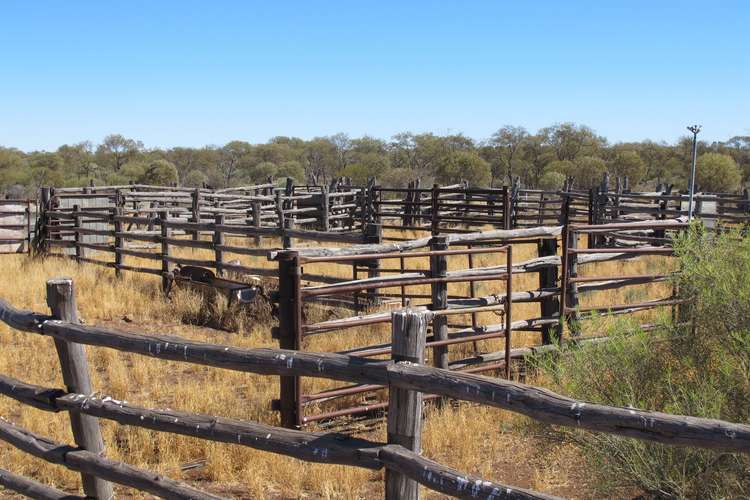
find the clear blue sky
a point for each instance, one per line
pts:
(193, 73)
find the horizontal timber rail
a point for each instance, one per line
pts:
(405, 379)
(378, 289)
(603, 241)
(536, 403)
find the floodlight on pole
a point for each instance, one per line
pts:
(694, 129)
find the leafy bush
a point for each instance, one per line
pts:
(702, 369)
(717, 173)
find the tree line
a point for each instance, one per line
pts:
(541, 160)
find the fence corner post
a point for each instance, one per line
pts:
(75, 371)
(408, 338)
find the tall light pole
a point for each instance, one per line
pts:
(694, 129)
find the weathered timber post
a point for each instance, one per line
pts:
(616, 203)
(508, 309)
(152, 216)
(472, 294)
(195, 209)
(405, 407)
(284, 222)
(569, 291)
(218, 243)
(361, 201)
(439, 269)
(75, 371)
(467, 199)
(507, 215)
(44, 205)
(565, 210)
(165, 264)
(373, 236)
(290, 334)
(592, 216)
(257, 219)
(76, 234)
(28, 227)
(549, 306)
(415, 201)
(286, 239)
(119, 242)
(435, 210)
(406, 212)
(325, 210)
(514, 194)
(663, 207)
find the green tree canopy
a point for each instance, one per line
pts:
(588, 171)
(195, 178)
(717, 173)
(292, 169)
(551, 180)
(159, 172)
(628, 164)
(464, 165)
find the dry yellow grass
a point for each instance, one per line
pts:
(483, 441)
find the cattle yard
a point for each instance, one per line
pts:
(377, 300)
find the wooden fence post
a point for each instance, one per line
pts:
(593, 198)
(569, 291)
(439, 269)
(290, 335)
(406, 206)
(284, 222)
(435, 210)
(508, 309)
(325, 210)
(196, 217)
(373, 236)
(119, 243)
(515, 191)
(549, 306)
(287, 241)
(218, 242)
(75, 371)
(165, 264)
(408, 337)
(507, 215)
(565, 210)
(257, 220)
(76, 233)
(28, 227)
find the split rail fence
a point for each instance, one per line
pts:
(405, 375)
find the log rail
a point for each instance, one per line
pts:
(398, 373)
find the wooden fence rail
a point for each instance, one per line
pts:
(17, 221)
(404, 374)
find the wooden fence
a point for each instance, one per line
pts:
(152, 232)
(386, 288)
(405, 375)
(17, 220)
(383, 287)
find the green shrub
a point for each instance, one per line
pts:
(702, 369)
